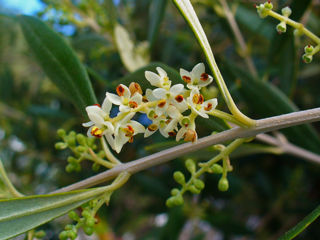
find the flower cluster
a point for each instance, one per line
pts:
(166, 107)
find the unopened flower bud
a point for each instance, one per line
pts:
(190, 165)
(308, 49)
(179, 177)
(175, 191)
(178, 200)
(190, 136)
(268, 5)
(73, 215)
(81, 139)
(286, 11)
(198, 184)
(216, 168)
(262, 11)
(60, 145)
(194, 190)
(61, 133)
(135, 87)
(170, 202)
(223, 184)
(88, 230)
(282, 27)
(307, 58)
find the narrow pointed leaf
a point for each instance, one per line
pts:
(58, 61)
(23, 214)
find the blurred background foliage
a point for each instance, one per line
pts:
(269, 193)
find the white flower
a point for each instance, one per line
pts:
(197, 104)
(124, 131)
(197, 78)
(124, 98)
(172, 96)
(160, 80)
(99, 119)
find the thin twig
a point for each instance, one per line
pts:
(263, 125)
(289, 148)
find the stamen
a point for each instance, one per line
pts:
(133, 104)
(172, 134)
(152, 127)
(131, 140)
(97, 104)
(208, 107)
(179, 98)
(186, 79)
(96, 132)
(204, 77)
(197, 99)
(162, 103)
(120, 90)
(135, 87)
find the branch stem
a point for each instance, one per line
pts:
(263, 125)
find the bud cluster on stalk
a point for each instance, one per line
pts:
(171, 109)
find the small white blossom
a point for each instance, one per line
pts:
(124, 131)
(160, 80)
(197, 78)
(99, 119)
(197, 104)
(124, 99)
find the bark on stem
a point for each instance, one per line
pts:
(263, 125)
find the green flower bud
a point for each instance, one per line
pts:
(223, 184)
(194, 190)
(179, 177)
(281, 27)
(178, 200)
(70, 168)
(307, 58)
(90, 141)
(262, 11)
(210, 92)
(71, 141)
(268, 5)
(60, 145)
(198, 184)
(88, 230)
(40, 234)
(73, 216)
(95, 167)
(175, 191)
(170, 202)
(81, 149)
(71, 159)
(86, 214)
(286, 11)
(190, 165)
(69, 227)
(216, 168)
(63, 235)
(72, 234)
(90, 222)
(81, 139)
(61, 133)
(308, 49)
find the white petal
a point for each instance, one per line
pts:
(181, 106)
(88, 124)
(110, 140)
(106, 105)
(176, 89)
(173, 112)
(148, 133)
(161, 72)
(137, 97)
(159, 93)
(119, 141)
(115, 99)
(138, 127)
(110, 127)
(163, 133)
(96, 110)
(171, 126)
(198, 70)
(97, 119)
(124, 108)
(184, 73)
(150, 96)
(213, 101)
(89, 132)
(205, 83)
(181, 133)
(153, 78)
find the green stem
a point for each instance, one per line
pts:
(226, 116)
(93, 157)
(13, 191)
(108, 153)
(295, 25)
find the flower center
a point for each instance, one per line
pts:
(179, 98)
(133, 104)
(204, 77)
(95, 131)
(129, 131)
(120, 90)
(186, 79)
(162, 103)
(197, 98)
(152, 127)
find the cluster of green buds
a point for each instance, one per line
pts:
(82, 148)
(265, 9)
(87, 221)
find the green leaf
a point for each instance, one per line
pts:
(23, 214)
(293, 232)
(58, 61)
(156, 13)
(133, 56)
(266, 100)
